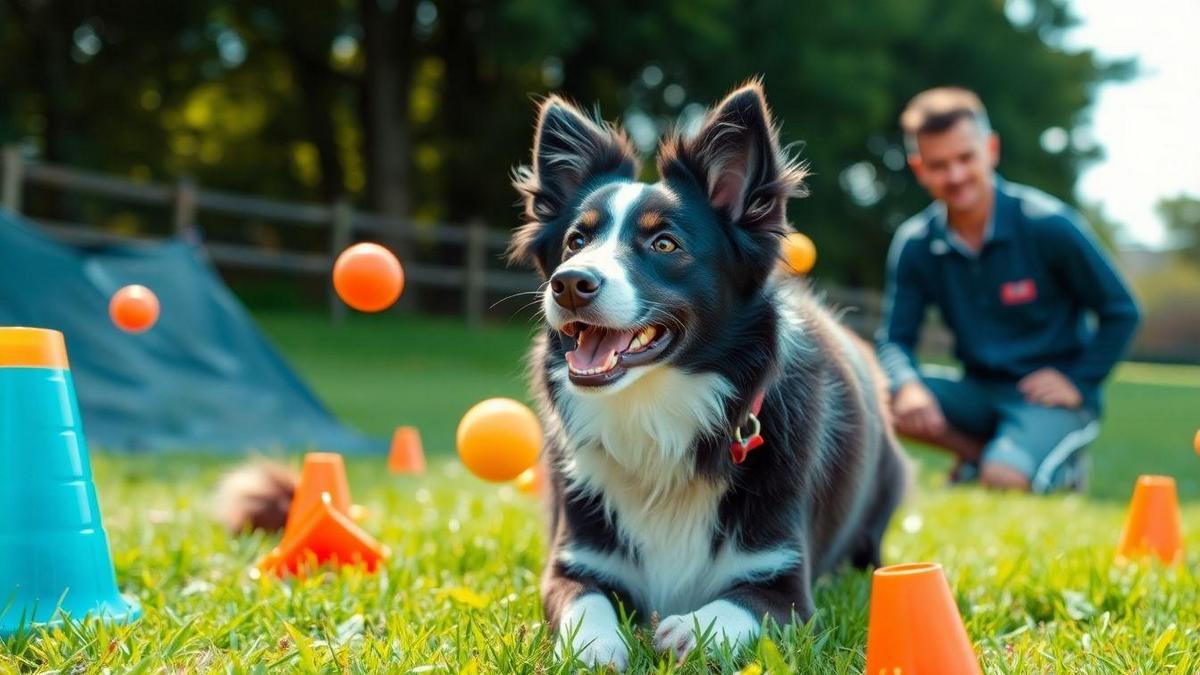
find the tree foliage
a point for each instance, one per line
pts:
(1182, 216)
(424, 107)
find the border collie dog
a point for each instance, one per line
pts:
(714, 438)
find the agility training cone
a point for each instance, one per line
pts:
(406, 455)
(1154, 525)
(915, 628)
(54, 554)
(323, 472)
(325, 535)
(1196, 442)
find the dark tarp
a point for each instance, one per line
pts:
(203, 378)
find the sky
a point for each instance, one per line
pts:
(1149, 128)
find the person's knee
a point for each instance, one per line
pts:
(906, 428)
(1002, 477)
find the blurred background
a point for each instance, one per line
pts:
(274, 133)
(419, 109)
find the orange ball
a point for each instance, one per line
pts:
(498, 439)
(134, 309)
(368, 277)
(799, 253)
(531, 481)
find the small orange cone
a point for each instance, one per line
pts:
(915, 628)
(406, 455)
(1154, 525)
(323, 472)
(1196, 442)
(324, 535)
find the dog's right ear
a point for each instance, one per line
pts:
(569, 149)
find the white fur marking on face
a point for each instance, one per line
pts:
(617, 302)
(722, 621)
(594, 635)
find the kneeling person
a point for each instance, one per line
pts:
(1015, 274)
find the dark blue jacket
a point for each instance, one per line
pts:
(1041, 292)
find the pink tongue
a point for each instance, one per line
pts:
(597, 345)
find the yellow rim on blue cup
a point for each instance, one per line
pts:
(22, 347)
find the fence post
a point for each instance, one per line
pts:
(341, 226)
(475, 286)
(14, 178)
(184, 218)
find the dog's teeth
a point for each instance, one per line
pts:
(643, 338)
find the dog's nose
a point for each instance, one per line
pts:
(575, 288)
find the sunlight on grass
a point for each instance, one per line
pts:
(1034, 579)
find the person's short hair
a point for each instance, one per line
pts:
(935, 110)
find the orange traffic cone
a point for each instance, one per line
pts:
(406, 455)
(323, 472)
(324, 535)
(1154, 525)
(915, 628)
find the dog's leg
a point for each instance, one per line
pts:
(736, 617)
(892, 479)
(586, 623)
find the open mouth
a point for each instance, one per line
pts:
(603, 355)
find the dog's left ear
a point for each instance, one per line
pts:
(735, 157)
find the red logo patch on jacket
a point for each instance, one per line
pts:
(1019, 292)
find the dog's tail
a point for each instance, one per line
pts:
(255, 496)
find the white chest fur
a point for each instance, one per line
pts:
(634, 450)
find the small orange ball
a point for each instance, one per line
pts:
(531, 481)
(134, 309)
(498, 439)
(799, 253)
(368, 277)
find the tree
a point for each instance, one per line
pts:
(421, 107)
(1182, 217)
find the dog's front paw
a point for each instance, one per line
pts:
(597, 650)
(591, 634)
(721, 621)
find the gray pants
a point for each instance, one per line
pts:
(1043, 443)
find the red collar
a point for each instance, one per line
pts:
(741, 446)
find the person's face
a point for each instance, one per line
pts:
(956, 165)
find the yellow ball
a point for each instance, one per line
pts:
(799, 253)
(498, 439)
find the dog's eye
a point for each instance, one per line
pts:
(576, 242)
(664, 244)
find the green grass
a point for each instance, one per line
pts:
(1034, 577)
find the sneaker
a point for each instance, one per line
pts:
(964, 472)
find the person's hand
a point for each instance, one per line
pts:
(1050, 388)
(917, 411)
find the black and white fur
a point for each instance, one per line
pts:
(647, 507)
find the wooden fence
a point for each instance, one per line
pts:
(187, 202)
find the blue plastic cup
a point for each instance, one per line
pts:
(54, 554)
